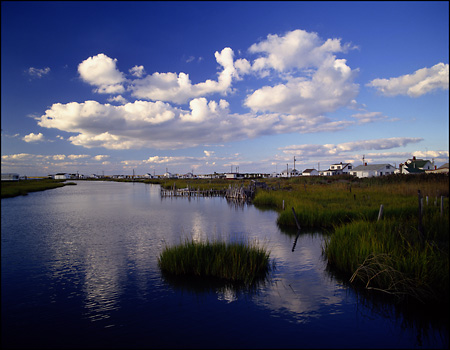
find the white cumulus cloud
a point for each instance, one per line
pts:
(101, 71)
(32, 137)
(420, 82)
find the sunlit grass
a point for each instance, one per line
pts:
(235, 262)
(21, 188)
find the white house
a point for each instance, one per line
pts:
(148, 176)
(442, 169)
(415, 166)
(310, 172)
(290, 173)
(338, 169)
(169, 175)
(10, 177)
(373, 170)
(231, 176)
(61, 176)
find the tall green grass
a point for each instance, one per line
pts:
(235, 262)
(22, 188)
(392, 256)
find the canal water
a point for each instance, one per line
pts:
(79, 270)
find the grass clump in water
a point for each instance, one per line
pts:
(234, 262)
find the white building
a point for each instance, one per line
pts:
(290, 173)
(372, 170)
(61, 176)
(310, 172)
(10, 177)
(338, 169)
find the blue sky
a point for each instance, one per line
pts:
(112, 87)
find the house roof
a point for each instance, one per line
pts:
(309, 170)
(418, 163)
(371, 167)
(444, 166)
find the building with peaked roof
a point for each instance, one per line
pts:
(415, 166)
(290, 173)
(441, 170)
(310, 172)
(338, 169)
(371, 170)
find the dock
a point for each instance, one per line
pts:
(232, 192)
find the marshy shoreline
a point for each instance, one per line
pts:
(387, 235)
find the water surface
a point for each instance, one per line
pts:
(79, 269)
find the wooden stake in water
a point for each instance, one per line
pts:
(380, 213)
(420, 213)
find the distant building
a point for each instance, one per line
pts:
(61, 176)
(338, 169)
(373, 170)
(310, 172)
(290, 173)
(10, 177)
(415, 166)
(441, 170)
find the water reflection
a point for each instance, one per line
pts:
(83, 258)
(223, 289)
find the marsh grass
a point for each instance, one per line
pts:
(235, 262)
(392, 256)
(23, 187)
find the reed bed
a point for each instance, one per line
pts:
(234, 262)
(23, 187)
(394, 257)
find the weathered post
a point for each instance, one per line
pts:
(298, 232)
(283, 204)
(442, 205)
(380, 213)
(295, 217)
(420, 214)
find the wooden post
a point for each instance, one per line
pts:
(420, 213)
(295, 217)
(442, 205)
(380, 213)
(283, 204)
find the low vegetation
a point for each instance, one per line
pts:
(23, 187)
(234, 262)
(397, 255)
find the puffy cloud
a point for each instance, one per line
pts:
(308, 150)
(59, 157)
(296, 49)
(77, 156)
(32, 137)
(100, 157)
(120, 99)
(137, 71)
(177, 88)
(37, 72)
(417, 84)
(101, 71)
(321, 83)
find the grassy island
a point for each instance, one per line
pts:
(234, 262)
(23, 187)
(401, 252)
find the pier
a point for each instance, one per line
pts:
(232, 192)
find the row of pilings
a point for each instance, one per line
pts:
(236, 191)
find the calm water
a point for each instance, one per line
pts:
(79, 269)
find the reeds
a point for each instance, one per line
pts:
(23, 187)
(393, 257)
(234, 262)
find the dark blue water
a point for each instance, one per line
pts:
(79, 270)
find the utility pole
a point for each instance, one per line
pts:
(294, 163)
